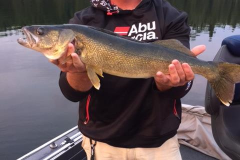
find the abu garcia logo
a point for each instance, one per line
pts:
(142, 32)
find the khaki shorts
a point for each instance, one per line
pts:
(168, 151)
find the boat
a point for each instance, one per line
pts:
(210, 132)
(63, 147)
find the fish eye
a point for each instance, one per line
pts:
(40, 31)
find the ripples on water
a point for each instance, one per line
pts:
(32, 108)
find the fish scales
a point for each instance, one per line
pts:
(135, 60)
(131, 61)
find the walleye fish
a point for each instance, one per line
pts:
(104, 51)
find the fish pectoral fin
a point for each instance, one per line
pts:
(93, 77)
(66, 36)
(174, 44)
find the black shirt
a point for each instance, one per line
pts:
(131, 112)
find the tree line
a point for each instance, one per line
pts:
(202, 13)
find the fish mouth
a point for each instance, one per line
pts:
(30, 40)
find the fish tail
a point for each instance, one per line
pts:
(224, 82)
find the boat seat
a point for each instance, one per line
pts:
(226, 120)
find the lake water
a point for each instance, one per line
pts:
(32, 108)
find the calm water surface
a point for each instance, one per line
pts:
(32, 108)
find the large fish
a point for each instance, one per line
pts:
(104, 51)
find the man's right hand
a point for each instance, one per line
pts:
(73, 65)
(75, 69)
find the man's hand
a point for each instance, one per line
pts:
(179, 74)
(74, 65)
(75, 70)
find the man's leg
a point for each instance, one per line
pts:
(104, 151)
(168, 151)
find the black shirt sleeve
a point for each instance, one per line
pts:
(175, 92)
(69, 92)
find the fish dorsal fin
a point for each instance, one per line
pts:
(174, 44)
(105, 31)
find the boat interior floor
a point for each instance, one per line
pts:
(190, 154)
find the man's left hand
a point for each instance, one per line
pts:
(179, 74)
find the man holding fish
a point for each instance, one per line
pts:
(136, 112)
(130, 118)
